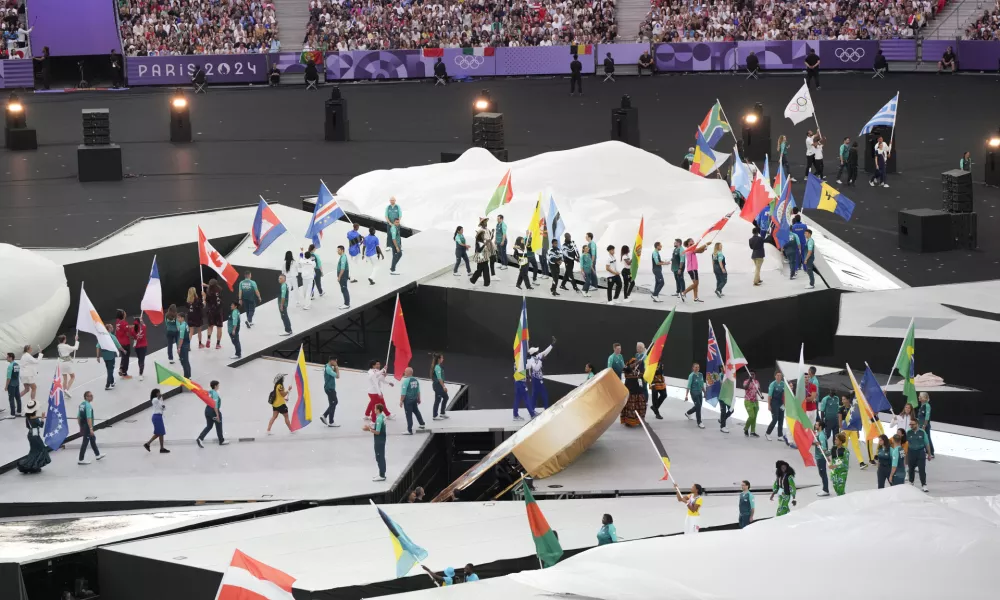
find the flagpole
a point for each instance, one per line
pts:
(395, 312)
(419, 564)
(723, 111)
(815, 118)
(342, 209)
(891, 135)
(77, 340)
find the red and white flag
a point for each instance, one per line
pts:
(248, 579)
(210, 257)
(401, 340)
(152, 300)
(760, 196)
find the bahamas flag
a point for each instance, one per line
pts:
(822, 196)
(714, 126)
(655, 352)
(302, 415)
(406, 552)
(704, 158)
(521, 342)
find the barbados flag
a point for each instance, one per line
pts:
(406, 552)
(655, 352)
(521, 342)
(266, 228)
(705, 160)
(822, 196)
(302, 415)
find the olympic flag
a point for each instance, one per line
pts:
(800, 107)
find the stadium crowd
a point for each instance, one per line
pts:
(987, 27)
(382, 24)
(13, 34)
(737, 20)
(163, 27)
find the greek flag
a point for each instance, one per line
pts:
(885, 116)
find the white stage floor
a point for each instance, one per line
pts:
(314, 463)
(338, 546)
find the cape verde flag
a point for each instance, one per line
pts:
(56, 425)
(327, 212)
(266, 228)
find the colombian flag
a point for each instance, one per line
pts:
(406, 552)
(521, 342)
(302, 415)
(704, 157)
(798, 421)
(503, 194)
(655, 351)
(637, 249)
(658, 446)
(547, 545)
(165, 376)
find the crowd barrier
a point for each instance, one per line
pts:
(178, 70)
(17, 73)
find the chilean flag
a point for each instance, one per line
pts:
(266, 228)
(152, 300)
(327, 212)
(209, 256)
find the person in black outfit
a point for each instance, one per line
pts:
(852, 164)
(117, 72)
(575, 81)
(441, 70)
(645, 62)
(753, 63)
(274, 77)
(555, 258)
(947, 61)
(46, 64)
(757, 255)
(482, 260)
(570, 255)
(609, 68)
(199, 76)
(812, 68)
(312, 75)
(521, 259)
(881, 64)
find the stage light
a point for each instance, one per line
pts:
(15, 107)
(994, 142)
(14, 115)
(180, 119)
(179, 102)
(483, 103)
(750, 118)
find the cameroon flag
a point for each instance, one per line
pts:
(798, 421)
(165, 376)
(637, 249)
(546, 543)
(502, 195)
(655, 351)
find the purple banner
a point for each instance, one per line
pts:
(624, 54)
(899, 50)
(773, 55)
(289, 62)
(847, 54)
(178, 70)
(976, 55)
(707, 56)
(17, 74)
(550, 60)
(409, 64)
(934, 49)
(74, 27)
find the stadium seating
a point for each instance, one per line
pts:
(986, 27)
(163, 27)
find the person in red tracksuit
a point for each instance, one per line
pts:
(123, 333)
(376, 377)
(139, 343)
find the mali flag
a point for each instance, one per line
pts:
(165, 376)
(406, 552)
(655, 352)
(302, 415)
(502, 195)
(905, 366)
(658, 446)
(704, 158)
(798, 421)
(637, 249)
(822, 196)
(715, 125)
(546, 543)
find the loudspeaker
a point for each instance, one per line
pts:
(871, 139)
(337, 126)
(925, 230)
(99, 163)
(625, 125)
(992, 168)
(756, 139)
(964, 230)
(96, 126)
(20, 139)
(180, 125)
(488, 131)
(956, 191)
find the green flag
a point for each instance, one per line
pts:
(503, 194)
(905, 366)
(734, 360)
(546, 543)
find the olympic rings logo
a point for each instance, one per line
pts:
(800, 104)
(849, 54)
(469, 62)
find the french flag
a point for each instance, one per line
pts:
(152, 300)
(327, 212)
(266, 228)
(249, 579)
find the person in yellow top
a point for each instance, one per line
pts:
(692, 522)
(278, 400)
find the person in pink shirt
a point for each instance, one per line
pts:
(691, 251)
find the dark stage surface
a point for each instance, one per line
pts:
(269, 142)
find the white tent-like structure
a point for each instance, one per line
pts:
(603, 189)
(867, 543)
(33, 300)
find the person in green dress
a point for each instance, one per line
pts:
(784, 487)
(607, 533)
(841, 461)
(719, 268)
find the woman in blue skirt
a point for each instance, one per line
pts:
(158, 429)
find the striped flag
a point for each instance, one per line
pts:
(521, 341)
(637, 249)
(885, 116)
(657, 445)
(88, 321)
(249, 579)
(714, 126)
(655, 352)
(799, 425)
(484, 51)
(152, 299)
(165, 376)
(404, 550)
(503, 194)
(326, 213)
(302, 415)
(734, 360)
(547, 545)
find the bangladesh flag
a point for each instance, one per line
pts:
(734, 360)
(546, 543)
(637, 249)
(655, 352)
(798, 421)
(165, 376)
(905, 366)
(503, 194)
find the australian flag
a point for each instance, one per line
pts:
(56, 425)
(713, 369)
(266, 228)
(326, 213)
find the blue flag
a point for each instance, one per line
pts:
(885, 116)
(873, 392)
(821, 195)
(266, 228)
(740, 179)
(713, 369)
(853, 420)
(326, 213)
(56, 425)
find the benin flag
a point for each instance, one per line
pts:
(546, 543)
(637, 249)
(502, 195)
(798, 421)
(165, 376)
(655, 351)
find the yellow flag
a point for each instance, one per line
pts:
(537, 226)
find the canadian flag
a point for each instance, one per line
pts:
(248, 579)
(210, 257)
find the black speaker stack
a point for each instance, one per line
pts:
(97, 158)
(956, 199)
(625, 125)
(756, 138)
(884, 132)
(16, 133)
(925, 230)
(336, 125)
(993, 166)
(487, 132)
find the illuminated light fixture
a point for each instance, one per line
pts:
(180, 118)
(750, 118)
(994, 142)
(483, 103)
(179, 102)
(15, 107)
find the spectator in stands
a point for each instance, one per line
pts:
(986, 27)
(609, 68)
(175, 27)
(312, 74)
(645, 62)
(947, 61)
